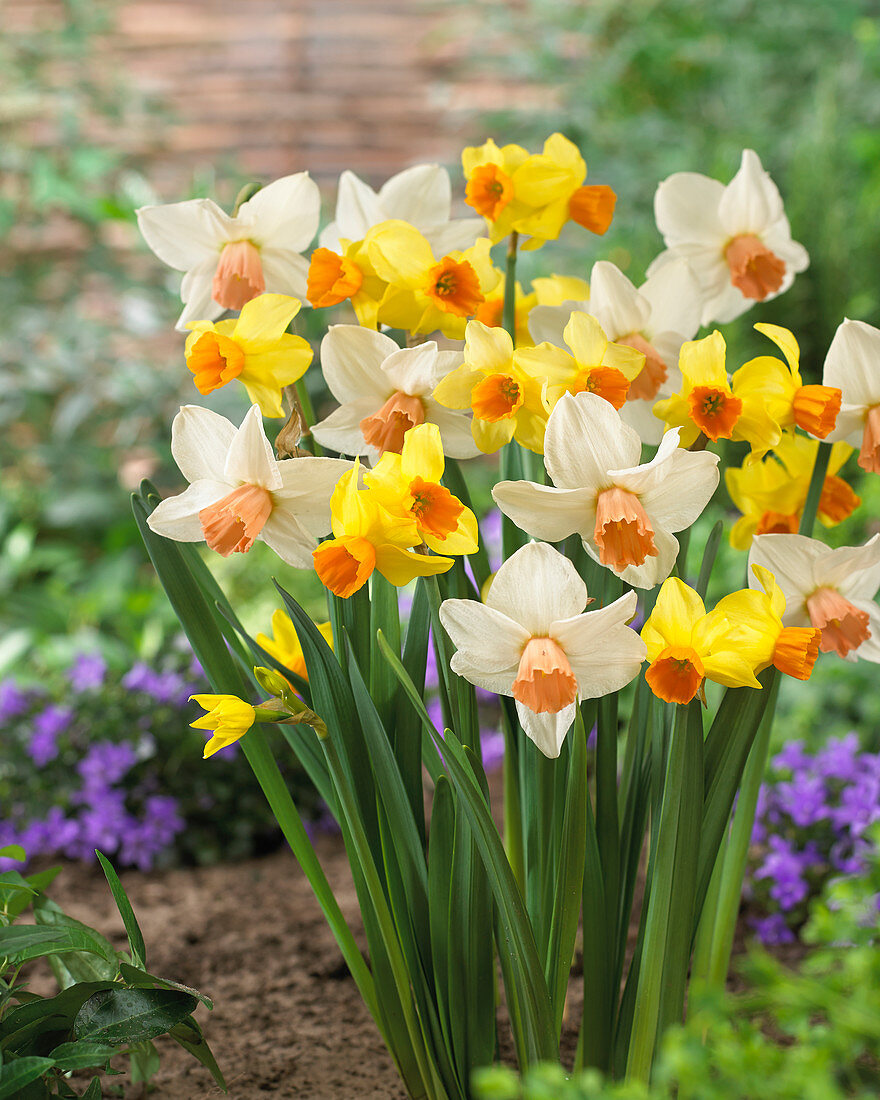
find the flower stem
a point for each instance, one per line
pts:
(509, 316)
(814, 493)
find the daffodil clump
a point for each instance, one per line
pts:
(602, 413)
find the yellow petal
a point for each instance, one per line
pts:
(676, 612)
(702, 362)
(263, 319)
(422, 454)
(785, 341)
(399, 566)
(586, 338)
(399, 253)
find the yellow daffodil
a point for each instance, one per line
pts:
(227, 716)
(778, 394)
(755, 619)
(335, 277)
(771, 493)
(368, 536)
(556, 290)
(284, 645)
(424, 293)
(505, 393)
(534, 194)
(595, 364)
(409, 482)
(705, 402)
(255, 349)
(686, 646)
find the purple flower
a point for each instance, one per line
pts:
(803, 799)
(492, 745)
(145, 839)
(491, 530)
(13, 701)
(772, 930)
(105, 764)
(48, 724)
(87, 672)
(784, 866)
(840, 759)
(793, 758)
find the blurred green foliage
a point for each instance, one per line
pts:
(648, 88)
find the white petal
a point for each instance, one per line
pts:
(675, 491)
(357, 208)
(351, 361)
(178, 517)
(869, 650)
(284, 534)
(548, 731)
(250, 460)
(307, 485)
(285, 213)
(421, 195)
(545, 512)
(329, 238)
(604, 653)
(536, 586)
(652, 571)
(778, 239)
(726, 304)
(454, 236)
(852, 570)
(586, 438)
(183, 234)
(341, 430)
(853, 363)
(676, 301)
(196, 292)
(489, 639)
(639, 415)
(455, 430)
(792, 560)
(751, 201)
(547, 323)
(850, 426)
(615, 303)
(200, 442)
(686, 210)
(285, 272)
(412, 370)
(501, 683)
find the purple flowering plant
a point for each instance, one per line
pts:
(813, 823)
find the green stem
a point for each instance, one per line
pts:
(509, 315)
(814, 493)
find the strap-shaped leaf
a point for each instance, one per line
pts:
(188, 1034)
(132, 929)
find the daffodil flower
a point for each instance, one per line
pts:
(255, 349)
(532, 641)
(853, 365)
(229, 260)
(384, 390)
(655, 319)
(420, 195)
(346, 274)
(368, 536)
(771, 493)
(505, 392)
(491, 312)
(534, 194)
(425, 293)
(686, 646)
(595, 364)
(228, 717)
(240, 492)
(754, 616)
(780, 399)
(285, 646)
(705, 403)
(830, 589)
(409, 482)
(625, 513)
(736, 238)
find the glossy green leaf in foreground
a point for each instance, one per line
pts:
(121, 1016)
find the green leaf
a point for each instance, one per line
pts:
(188, 1034)
(135, 937)
(15, 1074)
(93, 1092)
(24, 942)
(21, 1025)
(76, 966)
(81, 1055)
(13, 851)
(121, 1016)
(137, 977)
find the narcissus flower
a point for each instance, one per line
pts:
(534, 194)
(229, 260)
(778, 395)
(595, 365)
(255, 349)
(736, 238)
(368, 536)
(505, 392)
(531, 640)
(705, 403)
(755, 615)
(228, 717)
(624, 512)
(346, 275)
(686, 646)
(831, 590)
(240, 492)
(853, 364)
(425, 293)
(384, 390)
(771, 493)
(421, 195)
(409, 482)
(285, 646)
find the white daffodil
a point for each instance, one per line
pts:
(421, 195)
(736, 238)
(531, 640)
(384, 390)
(832, 590)
(229, 260)
(240, 492)
(624, 513)
(853, 365)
